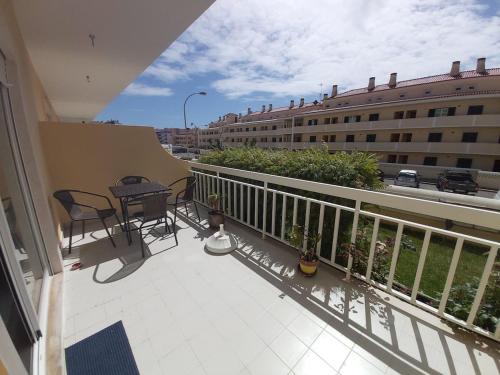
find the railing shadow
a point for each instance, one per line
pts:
(362, 314)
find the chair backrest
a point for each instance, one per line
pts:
(188, 194)
(154, 206)
(68, 202)
(128, 180)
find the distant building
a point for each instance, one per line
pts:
(178, 136)
(450, 120)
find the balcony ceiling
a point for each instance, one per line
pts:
(129, 35)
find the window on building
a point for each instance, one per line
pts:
(440, 112)
(403, 159)
(324, 138)
(273, 139)
(297, 138)
(247, 129)
(469, 137)
(411, 113)
(335, 120)
(312, 122)
(333, 138)
(391, 158)
(349, 138)
(274, 127)
(350, 119)
(430, 160)
(406, 137)
(373, 117)
(435, 137)
(475, 110)
(231, 131)
(496, 166)
(371, 137)
(399, 115)
(312, 138)
(395, 137)
(464, 163)
(326, 121)
(254, 129)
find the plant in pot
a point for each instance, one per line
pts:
(215, 215)
(308, 262)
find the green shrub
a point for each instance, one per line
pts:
(356, 169)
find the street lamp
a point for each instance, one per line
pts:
(185, 101)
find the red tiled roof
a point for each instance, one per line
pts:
(424, 80)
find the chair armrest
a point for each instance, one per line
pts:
(93, 194)
(177, 181)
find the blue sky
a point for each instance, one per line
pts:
(252, 52)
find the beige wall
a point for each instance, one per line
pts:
(93, 157)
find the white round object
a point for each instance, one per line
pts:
(221, 243)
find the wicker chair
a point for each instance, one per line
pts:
(129, 180)
(154, 208)
(83, 212)
(184, 196)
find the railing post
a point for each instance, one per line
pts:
(335, 235)
(451, 275)
(283, 219)
(218, 189)
(320, 227)
(264, 213)
(395, 255)
(373, 245)
(420, 267)
(488, 267)
(354, 230)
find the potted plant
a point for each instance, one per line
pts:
(308, 262)
(215, 215)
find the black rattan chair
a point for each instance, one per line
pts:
(154, 208)
(184, 196)
(83, 212)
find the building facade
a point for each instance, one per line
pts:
(178, 136)
(447, 120)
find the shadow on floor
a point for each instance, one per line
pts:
(358, 312)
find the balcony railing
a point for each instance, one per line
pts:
(423, 265)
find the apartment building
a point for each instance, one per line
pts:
(178, 136)
(446, 120)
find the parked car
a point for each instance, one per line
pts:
(457, 181)
(408, 178)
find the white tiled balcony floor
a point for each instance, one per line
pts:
(188, 312)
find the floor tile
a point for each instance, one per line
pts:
(289, 348)
(311, 363)
(268, 363)
(330, 350)
(305, 329)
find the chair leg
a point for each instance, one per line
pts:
(70, 236)
(173, 229)
(141, 240)
(186, 207)
(196, 208)
(119, 222)
(175, 216)
(83, 228)
(107, 231)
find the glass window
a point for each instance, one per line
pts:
(335, 120)
(475, 110)
(349, 138)
(333, 138)
(430, 160)
(469, 137)
(371, 137)
(434, 137)
(395, 137)
(411, 114)
(403, 159)
(326, 120)
(464, 163)
(407, 137)
(391, 158)
(350, 119)
(312, 138)
(496, 166)
(373, 117)
(399, 115)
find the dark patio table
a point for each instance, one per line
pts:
(126, 193)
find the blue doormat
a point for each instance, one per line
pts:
(107, 352)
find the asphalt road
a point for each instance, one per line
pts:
(430, 186)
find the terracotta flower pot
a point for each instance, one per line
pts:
(215, 219)
(308, 267)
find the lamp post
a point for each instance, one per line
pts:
(185, 101)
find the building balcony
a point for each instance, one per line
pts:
(414, 123)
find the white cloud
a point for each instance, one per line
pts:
(140, 89)
(287, 48)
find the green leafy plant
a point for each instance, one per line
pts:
(297, 236)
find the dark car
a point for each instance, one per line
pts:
(457, 181)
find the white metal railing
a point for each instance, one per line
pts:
(242, 193)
